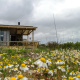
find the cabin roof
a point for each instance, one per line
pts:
(18, 29)
(17, 26)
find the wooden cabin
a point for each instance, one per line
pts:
(12, 35)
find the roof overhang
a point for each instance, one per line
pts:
(18, 29)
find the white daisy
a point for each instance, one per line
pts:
(41, 64)
(24, 68)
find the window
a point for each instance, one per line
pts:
(1, 35)
(4, 36)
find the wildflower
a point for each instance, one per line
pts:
(64, 77)
(55, 71)
(70, 78)
(4, 53)
(72, 73)
(37, 53)
(7, 78)
(15, 69)
(50, 72)
(17, 65)
(20, 76)
(24, 61)
(40, 64)
(19, 72)
(63, 69)
(3, 57)
(59, 60)
(1, 63)
(24, 78)
(78, 76)
(43, 60)
(47, 69)
(32, 65)
(30, 59)
(0, 67)
(61, 53)
(49, 62)
(42, 79)
(24, 67)
(49, 59)
(37, 64)
(61, 66)
(13, 78)
(77, 72)
(5, 67)
(9, 66)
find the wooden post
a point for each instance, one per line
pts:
(27, 40)
(33, 38)
(27, 37)
(33, 35)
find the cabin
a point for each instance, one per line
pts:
(12, 35)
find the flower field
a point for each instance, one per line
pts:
(24, 64)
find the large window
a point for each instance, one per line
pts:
(4, 36)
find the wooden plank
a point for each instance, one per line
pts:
(30, 44)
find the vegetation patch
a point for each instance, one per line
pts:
(39, 64)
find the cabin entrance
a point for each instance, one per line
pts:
(13, 38)
(16, 38)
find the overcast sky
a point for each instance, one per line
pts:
(39, 13)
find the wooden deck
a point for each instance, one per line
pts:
(27, 44)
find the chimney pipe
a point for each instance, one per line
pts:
(18, 23)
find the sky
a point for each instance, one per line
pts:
(42, 14)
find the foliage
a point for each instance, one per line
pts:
(55, 45)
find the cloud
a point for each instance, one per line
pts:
(39, 13)
(14, 10)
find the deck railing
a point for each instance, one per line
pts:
(28, 44)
